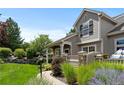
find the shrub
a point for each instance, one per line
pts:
(108, 77)
(56, 66)
(30, 53)
(105, 56)
(84, 74)
(69, 73)
(47, 67)
(20, 53)
(5, 52)
(1, 61)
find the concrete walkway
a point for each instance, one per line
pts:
(46, 75)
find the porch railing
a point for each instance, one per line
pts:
(114, 61)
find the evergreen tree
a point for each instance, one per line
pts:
(71, 31)
(13, 32)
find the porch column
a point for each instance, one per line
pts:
(62, 49)
(53, 51)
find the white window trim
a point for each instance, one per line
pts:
(115, 43)
(88, 47)
(87, 22)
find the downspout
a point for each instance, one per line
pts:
(99, 30)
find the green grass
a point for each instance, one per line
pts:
(17, 74)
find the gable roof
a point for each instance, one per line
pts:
(95, 12)
(62, 39)
(118, 25)
(118, 16)
(114, 31)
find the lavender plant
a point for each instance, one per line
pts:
(108, 77)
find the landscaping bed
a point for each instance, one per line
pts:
(95, 73)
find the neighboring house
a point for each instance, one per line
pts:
(95, 31)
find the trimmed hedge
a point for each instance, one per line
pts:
(5, 52)
(20, 53)
(1, 61)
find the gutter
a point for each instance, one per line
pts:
(115, 33)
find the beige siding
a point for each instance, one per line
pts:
(74, 40)
(106, 26)
(97, 44)
(111, 41)
(85, 17)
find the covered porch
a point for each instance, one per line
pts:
(62, 49)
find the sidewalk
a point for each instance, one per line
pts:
(46, 75)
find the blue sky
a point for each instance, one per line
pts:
(55, 22)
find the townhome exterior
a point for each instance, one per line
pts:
(95, 32)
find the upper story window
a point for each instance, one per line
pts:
(81, 27)
(86, 29)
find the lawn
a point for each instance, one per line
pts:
(17, 74)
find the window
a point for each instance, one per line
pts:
(67, 50)
(91, 27)
(87, 28)
(120, 48)
(81, 26)
(119, 44)
(85, 49)
(89, 48)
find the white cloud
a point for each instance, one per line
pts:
(29, 34)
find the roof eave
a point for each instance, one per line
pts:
(108, 17)
(115, 33)
(84, 10)
(98, 13)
